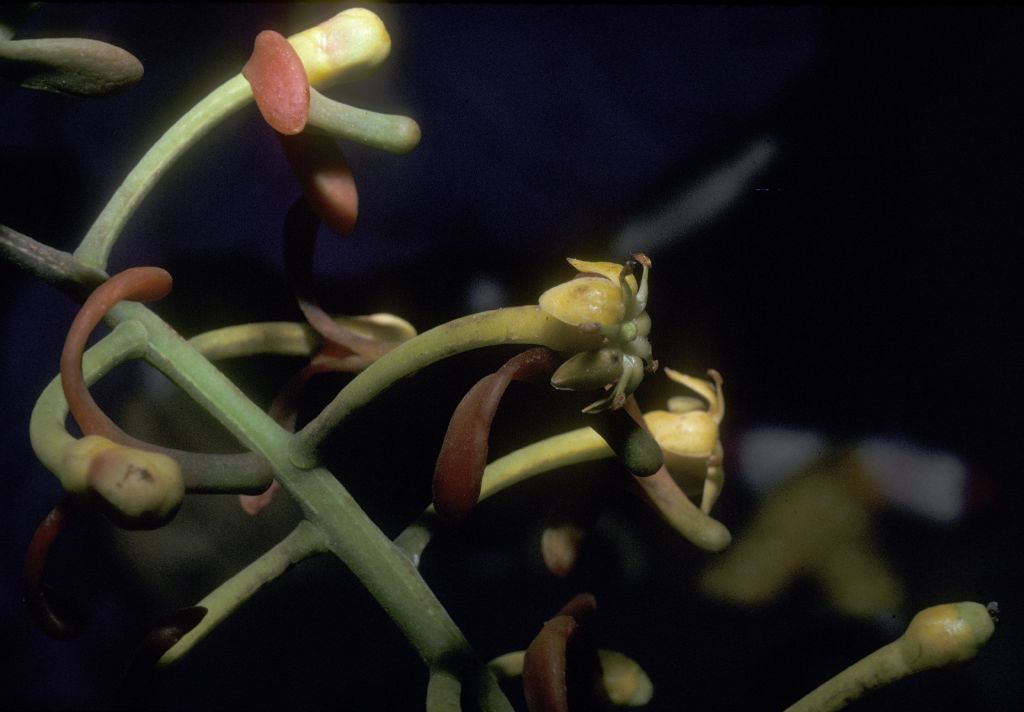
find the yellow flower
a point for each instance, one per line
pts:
(595, 297)
(605, 298)
(689, 438)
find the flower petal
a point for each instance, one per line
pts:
(585, 300)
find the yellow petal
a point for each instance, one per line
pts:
(586, 300)
(609, 270)
(691, 434)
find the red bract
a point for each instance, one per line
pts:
(460, 464)
(135, 283)
(57, 614)
(299, 238)
(279, 83)
(326, 179)
(561, 665)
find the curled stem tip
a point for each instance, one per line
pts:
(136, 283)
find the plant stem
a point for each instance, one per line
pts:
(349, 533)
(49, 264)
(47, 431)
(95, 247)
(514, 325)
(303, 541)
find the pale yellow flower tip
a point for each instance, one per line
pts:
(143, 488)
(624, 680)
(945, 634)
(344, 48)
(608, 270)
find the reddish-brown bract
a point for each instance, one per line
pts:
(463, 457)
(58, 615)
(326, 179)
(136, 283)
(279, 83)
(561, 664)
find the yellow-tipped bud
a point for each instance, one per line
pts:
(139, 489)
(946, 634)
(346, 47)
(624, 680)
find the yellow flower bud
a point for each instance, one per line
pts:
(138, 488)
(594, 298)
(344, 48)
(585, 300)
(624, 680)
(689, 437)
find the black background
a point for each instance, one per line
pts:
(865, 283)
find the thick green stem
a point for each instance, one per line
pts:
(382, 568)
(95, 247)
(515, 325)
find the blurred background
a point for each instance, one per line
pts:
(831, 198)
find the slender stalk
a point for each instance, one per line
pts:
(95, 247)
(514, 325)
(303, 541)
(942, 635)
(49, 264)
(388, 132)
(47, 430)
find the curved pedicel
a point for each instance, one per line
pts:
(346, 47)
(142, 284)
(947, 634)
(463, 457)
(56, 614)
(511, 325)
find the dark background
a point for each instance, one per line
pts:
(863, 282)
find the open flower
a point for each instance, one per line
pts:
(689, 438)
(605, 298)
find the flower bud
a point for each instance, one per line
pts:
(344, 48)
(137, 488)
(589, 370)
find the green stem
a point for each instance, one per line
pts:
(514, 325)
(99, 240)
(388, 132)
(349, 533)
(304, 541)
(47, 429)
(581, 445)
(444, 691)
(51, 265)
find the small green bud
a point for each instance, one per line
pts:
(589, 370)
